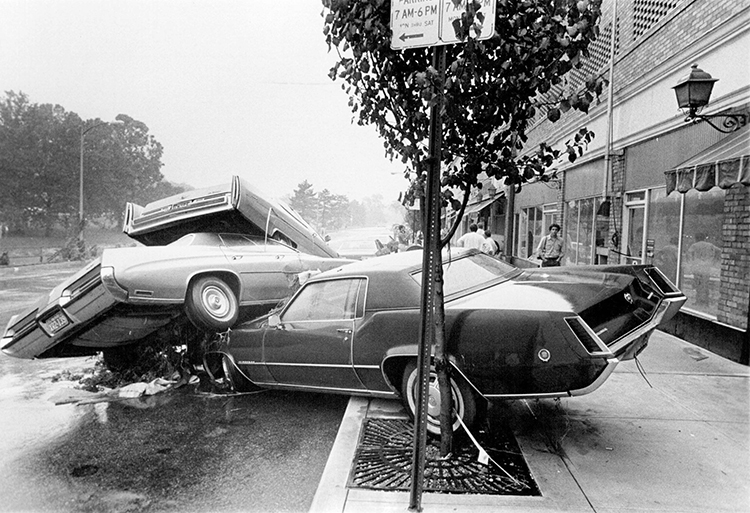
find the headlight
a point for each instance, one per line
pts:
(114, 288)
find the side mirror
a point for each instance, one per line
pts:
(274, 321)
(328, 238)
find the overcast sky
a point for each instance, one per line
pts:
(226, 86)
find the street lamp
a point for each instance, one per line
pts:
(120, 118)
(693, 92)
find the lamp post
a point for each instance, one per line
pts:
(693, 92)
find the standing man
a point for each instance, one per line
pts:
(471, 239)
(550, 249)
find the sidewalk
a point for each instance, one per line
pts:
(680, 444)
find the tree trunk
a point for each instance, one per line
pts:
(442, 367)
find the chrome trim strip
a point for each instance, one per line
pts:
(316, 365)
(604, 352)
(648, 326)
(353, 391)
(603, 376)
(150, 300)
(599, 381)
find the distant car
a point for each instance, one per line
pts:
(511, 333)
(234, 207)
(360, 248)
(215, 279)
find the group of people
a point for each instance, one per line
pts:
(482, 241)
(550, 249)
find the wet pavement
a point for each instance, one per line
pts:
(176, 451)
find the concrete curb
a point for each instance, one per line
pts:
(332, 492)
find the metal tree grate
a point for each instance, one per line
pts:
(384, 452)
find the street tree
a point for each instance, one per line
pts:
(488, 95)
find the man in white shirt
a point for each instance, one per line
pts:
(471, 239)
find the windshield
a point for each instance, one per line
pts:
(466, 273)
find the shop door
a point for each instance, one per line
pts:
(634, 234)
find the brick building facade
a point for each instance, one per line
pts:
(617, 204)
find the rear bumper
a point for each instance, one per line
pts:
(32, 340)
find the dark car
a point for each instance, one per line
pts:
(511, 333)
(215, 279)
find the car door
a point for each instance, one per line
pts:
(311, 345)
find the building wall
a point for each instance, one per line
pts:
(734, 302)
(657, 42)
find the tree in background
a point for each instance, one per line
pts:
(331, 212)
(304, 201)
(40, 164)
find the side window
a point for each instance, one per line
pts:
(327, 301)
(283, 238)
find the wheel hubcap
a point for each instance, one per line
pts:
(216, 302)
(433, 401)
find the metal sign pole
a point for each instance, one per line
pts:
(430, 261)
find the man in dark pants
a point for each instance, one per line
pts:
(550, 249)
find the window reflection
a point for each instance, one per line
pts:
(324, 301)
(663, 223)
(701, 249)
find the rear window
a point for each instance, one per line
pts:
(185, 240)
(466, 273)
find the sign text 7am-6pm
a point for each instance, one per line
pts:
(422, 23)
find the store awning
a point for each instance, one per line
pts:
(476, 207)
(724, 164)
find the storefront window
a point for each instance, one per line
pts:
(585, 231)
(701, 249)
(530, 227)
(570, 233)
(523, 234)
(663, 230)
(535, 228)
(601, 228)
(635, 240)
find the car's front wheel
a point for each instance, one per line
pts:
(464, 401)
(211, 305)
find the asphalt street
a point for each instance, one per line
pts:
(177, 451)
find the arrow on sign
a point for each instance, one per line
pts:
(404, 37)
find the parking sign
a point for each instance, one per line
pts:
(422, 23)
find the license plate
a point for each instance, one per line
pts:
(56, 322)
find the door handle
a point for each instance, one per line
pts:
(344, 330)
